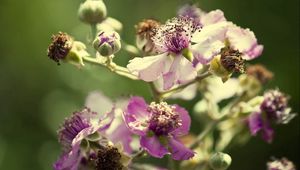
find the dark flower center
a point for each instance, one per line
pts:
(232, 60)
(60, 46)
(164, 119)
(109, 158)
(71, 127)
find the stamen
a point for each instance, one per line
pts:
(164, 118)
(232, 60)
(109, 158)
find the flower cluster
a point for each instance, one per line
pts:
(192, 52)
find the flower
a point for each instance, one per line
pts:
(173, 59)
(77, 128)
(217, 36)
(281, 164)
(107, 43)
(159, 125)
(274, 108)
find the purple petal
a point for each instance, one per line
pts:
(123, 135)
(153, 146)
(149, 68)
(68, 161)
(136, 116)
(267, 133)
(179, 151)
(186, 122)
(255, 123)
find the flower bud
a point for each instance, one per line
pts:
(107, 43)
(64, 48)
(220, 161)
(92, 11)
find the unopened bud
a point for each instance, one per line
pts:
(220, 161)
(107, 43)
(92, 11)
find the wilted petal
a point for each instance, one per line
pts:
(153, 146)
(185, 120)
(136, 115)
(179, 151)
(149, 68)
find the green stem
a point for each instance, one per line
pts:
(171, 163)
(112, 67)
(93, 31)
(138, 155)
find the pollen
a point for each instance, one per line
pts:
(164, 118)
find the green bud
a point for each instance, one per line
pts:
(92, 11)
(107, 43)
(220, 161)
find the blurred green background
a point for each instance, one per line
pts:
(36, 94)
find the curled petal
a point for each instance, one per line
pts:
(136, 115)
(179, 151)
(205, 51)
(153, 146)
(186, 122)
(149, 68)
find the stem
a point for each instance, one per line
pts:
(112, 67)
(203, 134)
(93, 31)
(138, 155)
(155, 93)
(171, 163)
(197, 79)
